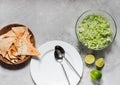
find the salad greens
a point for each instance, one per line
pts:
(94, 31)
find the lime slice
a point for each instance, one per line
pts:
(89, 59)
(95, 74)
(100, 62)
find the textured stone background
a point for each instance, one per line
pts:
(55, 20)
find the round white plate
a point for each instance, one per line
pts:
(46, 71)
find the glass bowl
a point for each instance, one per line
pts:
(87, 40)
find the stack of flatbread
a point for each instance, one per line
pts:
(15, 45)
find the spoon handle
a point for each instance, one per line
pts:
(72, 67)
(65, 74)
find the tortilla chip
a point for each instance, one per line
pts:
(8, 34)
(7, 57)
(16, 44)
(19, 31)
(5, 44)
(32, 50)
(25, 47)
(22, 57)
(13, 50)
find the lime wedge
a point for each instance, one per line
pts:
(96, 74)
(89, 59)
(100, 62)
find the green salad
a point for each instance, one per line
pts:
(94, 31)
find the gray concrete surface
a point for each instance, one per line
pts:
(55, 20)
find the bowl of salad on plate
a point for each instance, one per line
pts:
(95, 29)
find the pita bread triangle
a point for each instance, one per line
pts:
(25, 47)
(8, 34)
(5, 44)
(16, 44)
(19, 31)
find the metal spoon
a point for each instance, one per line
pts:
(59, 55)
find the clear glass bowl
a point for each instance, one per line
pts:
(107, 16)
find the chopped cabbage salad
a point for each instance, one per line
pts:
(94, 31)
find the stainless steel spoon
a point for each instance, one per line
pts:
(59, 55)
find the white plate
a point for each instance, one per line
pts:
(46, 71)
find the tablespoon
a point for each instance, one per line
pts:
(59, 56)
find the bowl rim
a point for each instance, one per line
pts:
(95, 11)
